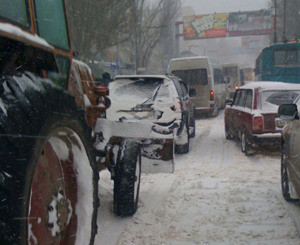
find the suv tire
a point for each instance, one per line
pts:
(184, 149)
(285, 182)
(127, 178)
(215, 112)
(193, 126)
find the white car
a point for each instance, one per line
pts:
(148, 108)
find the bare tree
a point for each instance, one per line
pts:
(151, 23)
(135, 26)
(97, 24)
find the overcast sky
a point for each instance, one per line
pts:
(224, 6)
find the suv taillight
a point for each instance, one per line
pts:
(211, 95)
(173, 108)
(257, 124)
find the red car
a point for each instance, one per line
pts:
(252, 114)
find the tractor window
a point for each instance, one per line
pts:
(51, 22)
(14, 10)
(61, 77)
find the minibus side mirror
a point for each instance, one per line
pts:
(192, 92)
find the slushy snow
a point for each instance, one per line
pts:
(217, 195)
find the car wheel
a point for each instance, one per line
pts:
(228, 135)
(224, 103)
(48, 170)
(244, 144)
(127, 178)
(215, 112)
(285, 181)
(192, 127)
(184, 149)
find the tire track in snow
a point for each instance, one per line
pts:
(210, 199)
(214, 200)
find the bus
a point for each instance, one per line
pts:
(232, 75)
(204, 75)
(279, 62)
(248, 74)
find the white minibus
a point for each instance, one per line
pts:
(205, 76)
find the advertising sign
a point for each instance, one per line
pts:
(250, 23)
(204, 26)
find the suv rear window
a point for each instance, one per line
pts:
(139, 90)
(14, 10)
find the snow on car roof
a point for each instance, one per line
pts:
(16, 31)
(192, 58)
(209, 59)
(141, 76)
(266, 85)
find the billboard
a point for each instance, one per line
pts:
(204, 26)
(250, 23)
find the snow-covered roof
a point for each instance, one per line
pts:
(202, 58)
(17, 31)
(140, 76)
(192, 58)
(271, 85)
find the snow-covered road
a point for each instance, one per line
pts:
(217, 195)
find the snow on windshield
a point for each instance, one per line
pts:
(129, 90)
(128, 93)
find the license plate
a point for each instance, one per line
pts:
(279, 123)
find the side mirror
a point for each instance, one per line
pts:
(192, 92)
(288, 112)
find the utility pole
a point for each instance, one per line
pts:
(284, 22)
(275, 23)
(134, 6)
(177, 37)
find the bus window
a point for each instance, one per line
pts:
(291, 57)
(279, 57)
(285, 57)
